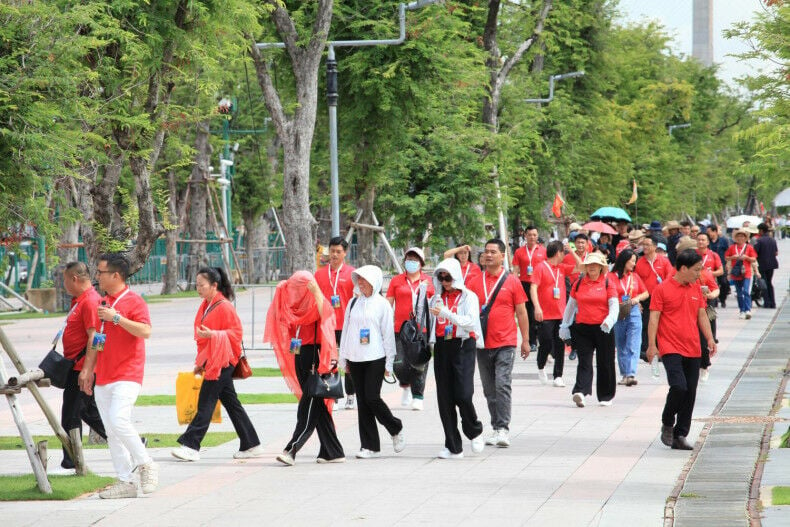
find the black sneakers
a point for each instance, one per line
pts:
(680, 443)
(666, 434)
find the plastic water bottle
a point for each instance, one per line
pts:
(654, 364)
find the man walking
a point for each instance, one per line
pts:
(653, 269)
(117, 357)
(767, 251)
(719, 244)
(501, 296)
(81, 324)
(525, 261)
(677, 314)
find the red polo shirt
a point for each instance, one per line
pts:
(570, 260)
(405, 292)
(677, 328)
(630, 284)
(746, 250)
(592, 298)
(711, 260)
(450, 301)
(470, 272)
(502, 330)
(79, 321)
(123, 357)
(546, 277)
(336, 283)
(306, 332)
(524, 258)
(661, 268)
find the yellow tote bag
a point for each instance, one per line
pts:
(187, 392)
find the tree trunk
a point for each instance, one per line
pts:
(170, 282)
(256, 240)
(198, 181)
(298, 223)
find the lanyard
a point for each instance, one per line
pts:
(740, 253)
(629, 283)
(653, 268)
(468, 268)
(413, 289)
(63, 328)
(485, 288)
(454, 307)
(705, 259)
(556, 277)
(337, 277)
(529, 254)
(101, 329)
(209, 308)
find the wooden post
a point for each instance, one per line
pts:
(387, 245)
(41, 450)
(78, 458)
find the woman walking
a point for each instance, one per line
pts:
(456, 334)
(628, 331)
(300, 325)
(367, 352)
(740, 258)
(593, 305)
(463, 253)
(218, 334)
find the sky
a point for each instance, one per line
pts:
(675, 16)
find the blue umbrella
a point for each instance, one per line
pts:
(610, 214)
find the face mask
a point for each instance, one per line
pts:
(411, 266)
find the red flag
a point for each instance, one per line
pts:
(633, 195)
(556, 208)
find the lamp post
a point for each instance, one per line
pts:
(675, 126)
(552, 79)
(332, 95)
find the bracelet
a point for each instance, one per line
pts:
(116, 319)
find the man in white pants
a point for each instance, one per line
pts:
(117, 357)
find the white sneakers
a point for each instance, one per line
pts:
(398, 442)
(286, 459)
(255, 451)
(578, 398)
(406, 398)
(741, 315)
(503, 438)
(149, 477)
(478, 444)
(364, 453)
(417, 404)
(446, 454)
(184, 453)
(558, 382)
(351, 402)
(703, 375)
(121, 489)
(542, 377)
(491, 439)
(748, 315)
(605, 403)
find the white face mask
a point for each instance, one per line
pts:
(411, 266)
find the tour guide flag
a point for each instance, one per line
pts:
(633, 195)
(556, 208)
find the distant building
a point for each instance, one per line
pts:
(702, 35)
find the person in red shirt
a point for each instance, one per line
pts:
(218, 334)
(500, 336)
(677, 313)
(652, 268)
(525, 260)
(740, 257)
(334, 280)
(463, 253)
(580, 243)
(547, 292)
(628, 331)
(403, 292)
(710, 260)
(593, 305)
(81, 324)
(117, 357)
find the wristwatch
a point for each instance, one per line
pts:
(116, 319)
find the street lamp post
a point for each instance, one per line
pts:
(332, 95)
(675, 126)
(553, 78)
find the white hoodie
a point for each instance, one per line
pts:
(467, 319)
(373, 313)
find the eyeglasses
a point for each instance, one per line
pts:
(445, 278)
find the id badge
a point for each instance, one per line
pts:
(364, 336)
(556, 292)
(335, 299)
(98, 341)
(448, 332)
(296, 346)
(659, 279)
(529, 270)
(625, 298)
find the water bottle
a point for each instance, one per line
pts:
(654, 364)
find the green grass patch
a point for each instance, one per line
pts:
(785, 441)
(780, 496)
(23, 488)
(154, 441)
(29, 314)
(245, 398)
(266, 372)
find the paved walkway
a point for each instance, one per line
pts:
(593, 466)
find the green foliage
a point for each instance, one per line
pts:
(23, 488)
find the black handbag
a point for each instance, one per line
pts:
(55, 366)
(414, 341)
(324, 386)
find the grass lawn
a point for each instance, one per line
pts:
(780, 495)
(29, 314)
(245, 398)
(266, 372)
(154, 441)
(23, 488)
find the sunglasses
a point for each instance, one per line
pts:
(445, 278)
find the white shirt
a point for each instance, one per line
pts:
(375, 314)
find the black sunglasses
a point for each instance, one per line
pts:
(445, 278)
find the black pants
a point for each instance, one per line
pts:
(454, 369)
(645, 322)
(368, 377)
(349, 383)
(768, 298)
(408, 376)
(724, 288)
(533, 330)
(591, 339)
(703, 343)
(683, 376)
(223, 390)
(312, 413)
(551, 344)
(77, 407)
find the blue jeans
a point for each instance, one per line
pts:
(743, 289)
(628, 340)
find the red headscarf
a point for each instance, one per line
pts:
(294, 305)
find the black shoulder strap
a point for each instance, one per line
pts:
(496, 290)
(353, 301)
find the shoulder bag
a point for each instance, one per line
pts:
(412, 337)
(55, 366)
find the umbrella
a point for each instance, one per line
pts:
(599, 226)
(736, 222)
(783, 198)
(610, 214)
